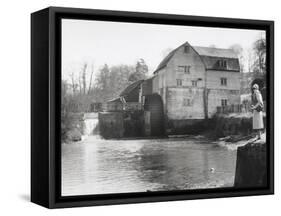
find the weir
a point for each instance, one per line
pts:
(90, 123)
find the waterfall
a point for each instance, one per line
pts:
(90, 124)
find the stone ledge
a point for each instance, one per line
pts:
(251, 165)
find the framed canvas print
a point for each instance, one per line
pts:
(138, 107)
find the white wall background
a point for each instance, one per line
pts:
(15, 107)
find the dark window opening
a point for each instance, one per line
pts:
(184, 69)
(186, 102)
(224, 102)
(179, 82)
(194, 83)
(186, 49)
(222, 63)
(187, 69)
(223, 81)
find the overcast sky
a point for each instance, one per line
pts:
(115, 43)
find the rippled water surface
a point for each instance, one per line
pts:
(97, 166)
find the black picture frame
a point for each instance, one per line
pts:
(45, 106)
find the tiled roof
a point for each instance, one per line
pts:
(114, 100)
(165, 61)
(215, 52)
(209, 56)
(130, 88)
(212, 63)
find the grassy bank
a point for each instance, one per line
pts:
(233, 125)
(71, 127)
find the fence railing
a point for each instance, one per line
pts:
(236, 108)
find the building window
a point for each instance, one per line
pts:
(186, 49)
(179, 82)
(234, 91)
(186, 102)
(181, 69)
(223, 81)
(187, 69)
(222, 63)
(224, 102)
(184, 69)
(194, 83)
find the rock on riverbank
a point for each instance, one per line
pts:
(251, 165)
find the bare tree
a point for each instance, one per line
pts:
(84, 81)
(250, 60)
(239, 52)
(80, 83)
(73, 83)
(259, 48)
(91, 78)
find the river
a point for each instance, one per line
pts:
(98, 166)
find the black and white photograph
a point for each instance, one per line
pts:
(140, 108)
(153, 107)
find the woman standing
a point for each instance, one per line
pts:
(257, 107)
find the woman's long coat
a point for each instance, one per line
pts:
(257, 116)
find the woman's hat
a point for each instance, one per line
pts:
(255, 86)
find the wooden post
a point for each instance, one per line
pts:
(147, 125)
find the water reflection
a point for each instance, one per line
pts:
(97, 166)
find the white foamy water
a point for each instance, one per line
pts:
(90, 125)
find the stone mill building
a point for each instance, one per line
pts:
(193, 81)
(186, 88)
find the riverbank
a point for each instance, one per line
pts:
(232, 127)
(234, 124)
(233, 144)
(233, 130)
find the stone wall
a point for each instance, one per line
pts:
(185, 103)
(251, 166)
(186, 126)
(175, 96)
(121, 124)
(111, 124)
(134, 123)
(214, 80)
(233, 124)
(218, 92)
(192, 59)
(216, 95)
(157, 81)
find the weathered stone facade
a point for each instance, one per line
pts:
(193, 82)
